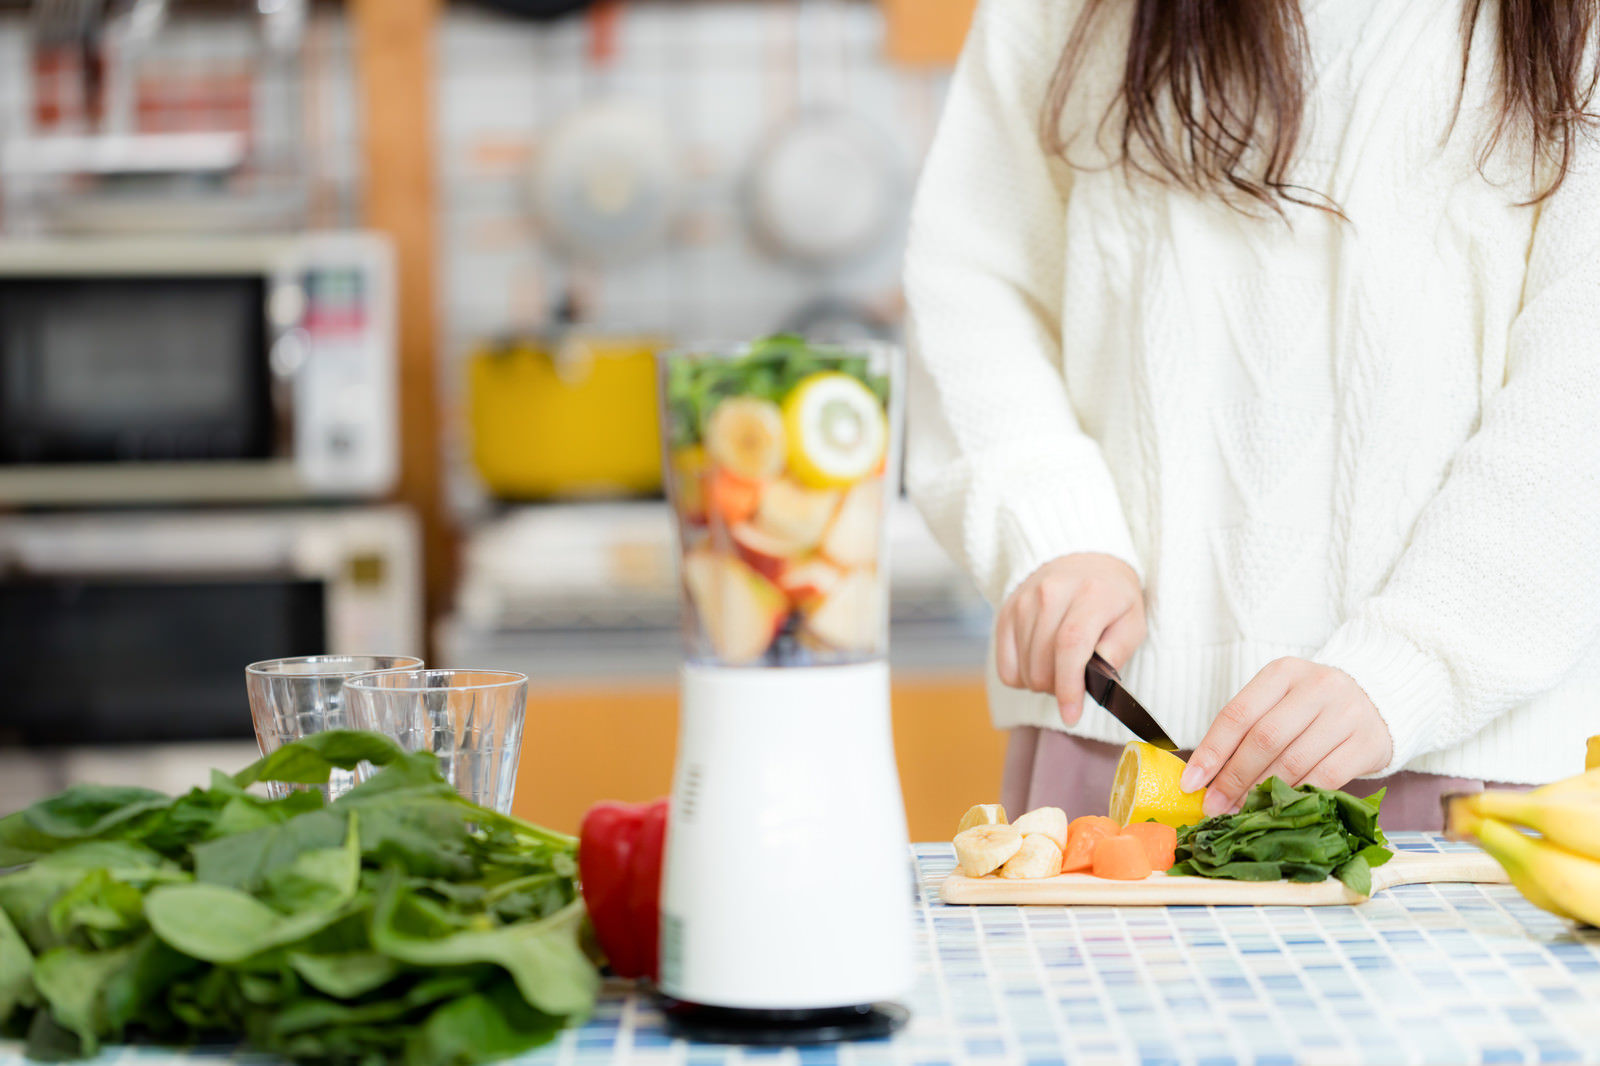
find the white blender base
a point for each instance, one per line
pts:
(787, 883)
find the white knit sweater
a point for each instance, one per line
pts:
(1374, 444)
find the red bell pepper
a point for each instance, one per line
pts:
(620, 848)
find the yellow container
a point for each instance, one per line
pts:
(576, 419)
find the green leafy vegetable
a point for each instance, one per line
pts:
(1283, 833)
(769, 369)
(399, 923)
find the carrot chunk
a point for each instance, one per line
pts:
(1081, 836)
(1160, 842)
(1121, 858)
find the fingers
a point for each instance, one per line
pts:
(1005, 648)
(1049, 626)
(1053, 604)
(1122, 638)
(1075, 640)
(1363, 752)
(1298, 721)
(1341, 765)
(1116, 643)
(1235, 720)
(1261, 745)
(1319, 739)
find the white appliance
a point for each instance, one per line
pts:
(157, 370)
(787, 898)
(124, 635)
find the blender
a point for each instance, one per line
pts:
(787, 898)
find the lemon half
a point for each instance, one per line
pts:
(1146, 787)
(837, 430)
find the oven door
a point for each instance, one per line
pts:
(122, 628)
(132, 370)
(107, 659)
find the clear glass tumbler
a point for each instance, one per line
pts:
(470, 719)
(293, 698)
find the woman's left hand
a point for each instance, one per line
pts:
(1296, 720)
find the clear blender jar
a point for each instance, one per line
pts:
(787, 902)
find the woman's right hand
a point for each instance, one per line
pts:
(1065, 611)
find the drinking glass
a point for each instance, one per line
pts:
(470, 719)
(293, 698)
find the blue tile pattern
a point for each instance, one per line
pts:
(1422, 975)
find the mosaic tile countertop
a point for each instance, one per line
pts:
(1441, 975)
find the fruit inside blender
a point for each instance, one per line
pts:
(777, 477)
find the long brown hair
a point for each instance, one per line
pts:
(1212, 90)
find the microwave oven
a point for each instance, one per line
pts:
(122, 628)
(161, 370)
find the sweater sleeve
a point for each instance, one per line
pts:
(1497, 595)
(997, 461)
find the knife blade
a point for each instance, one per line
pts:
(1105, 686)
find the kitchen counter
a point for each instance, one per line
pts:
(1428, 974)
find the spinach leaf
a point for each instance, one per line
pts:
(244, 859)
(88, 811)
(318, 879)
(136, 993)
(16, 971)
(1298, 834)
(311, 760)
(399, 922)
(494, 1024)
(543, 957)
(71, 982)
(223, 925)
(22, 843)
(346, 976)
(105, 911)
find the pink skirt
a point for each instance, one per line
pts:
(1049, 768)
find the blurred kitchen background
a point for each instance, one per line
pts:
(329, 327)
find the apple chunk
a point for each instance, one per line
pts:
(768, 553)
(850, 617)
(796, 514)
(740, 610)
(852, 538)
(808, 580)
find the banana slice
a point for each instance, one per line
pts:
(1046, 821)
(983, 849)
(745, 436)
(1038, 857)
(982, 814)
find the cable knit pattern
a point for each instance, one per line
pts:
(1374, 444)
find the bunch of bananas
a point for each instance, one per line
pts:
(1558, 870)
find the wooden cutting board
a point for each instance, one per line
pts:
(1160, 890)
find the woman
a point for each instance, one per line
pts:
(1257, 346)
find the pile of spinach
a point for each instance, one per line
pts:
(1284, 833)
(398, 923)
(768, 370)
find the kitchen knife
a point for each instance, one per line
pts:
(1106, 688)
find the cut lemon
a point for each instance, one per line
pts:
(837, 430)
(1146, 787)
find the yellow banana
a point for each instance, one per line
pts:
(1586, 782)
(1463, 820)
(1570, 819)
(1591, 759)
(1551, 877)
